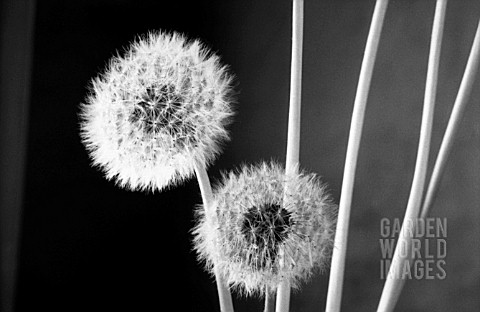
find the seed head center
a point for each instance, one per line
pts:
(267, 227)
(158, 109)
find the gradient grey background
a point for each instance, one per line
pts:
(88, 245)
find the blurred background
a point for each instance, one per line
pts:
(73, 241)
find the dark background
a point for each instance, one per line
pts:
(87, 245)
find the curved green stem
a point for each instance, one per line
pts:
(224, 296)
(394, 283)
(335, 283)
(454, 123)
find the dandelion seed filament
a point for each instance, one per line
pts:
(266, 227)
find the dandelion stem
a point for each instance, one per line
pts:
(269, 300)
(293, 139)
(394, 284)
(453, 124)
(335, 286)
(224, 295)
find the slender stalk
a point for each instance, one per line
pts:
(293, 138)
(224, 295)
(394, 284)
(335, 285)
(269, 300)
(454, 123)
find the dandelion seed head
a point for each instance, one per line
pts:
(156, 110)
(268, 227)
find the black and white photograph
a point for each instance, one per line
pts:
(240, 155)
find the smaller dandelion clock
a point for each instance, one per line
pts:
(268, 227)
(157, 112)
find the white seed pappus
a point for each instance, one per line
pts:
(156, 110)
(267, 227)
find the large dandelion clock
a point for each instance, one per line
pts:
(156, 111)
(268, 227)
